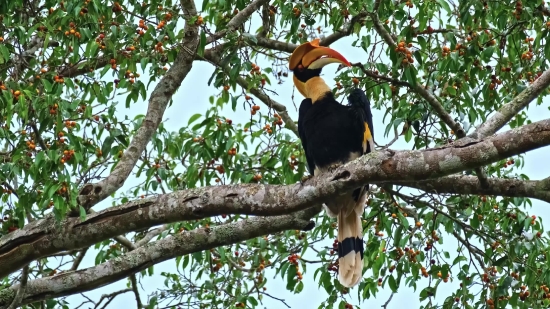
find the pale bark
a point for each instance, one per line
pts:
(92, 194)
(141, 258)
(504, 114)
(237, 20)
(45, 237)
(462, 184)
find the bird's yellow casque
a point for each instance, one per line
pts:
(333, 134)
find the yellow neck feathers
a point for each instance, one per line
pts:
(316, 88)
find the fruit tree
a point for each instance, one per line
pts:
(112, 173)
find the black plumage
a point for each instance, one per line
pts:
(332, 134)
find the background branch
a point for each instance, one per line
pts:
(504, 114)
(539, 189)
(237, 20)
(16, 302)
(180, 244)
(91, 194)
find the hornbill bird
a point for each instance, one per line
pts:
(333, 134)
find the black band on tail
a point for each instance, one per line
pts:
(350, 244)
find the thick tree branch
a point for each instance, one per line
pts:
(45, 237)
(276, 45)
(538, 189)
(237, 20)
(180, 244)
(91, 194)
(512, 108)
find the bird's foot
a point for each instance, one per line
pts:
(305, 178)
(333, 167)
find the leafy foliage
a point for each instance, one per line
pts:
(70, 68)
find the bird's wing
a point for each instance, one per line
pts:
(359, 101)
(304, 107)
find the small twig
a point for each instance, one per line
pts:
(125, 242)
(110, 297)
(382, 77)
(275, 298)
(280, 108)
(385, 305)
(22, 287)
(130, 246)
(38, 136)
(482, 176)
(150, 235)
(79, 259)
(473, 250)
(133, 280)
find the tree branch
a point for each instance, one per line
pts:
(110, 297)
(45, 237)
(330, 39)
(133, 281)
(91, 194)
(512, 108)
(150, 235)
(237, 20)
(16, 302)
(79, 258)
(538, 189)
(150, 254)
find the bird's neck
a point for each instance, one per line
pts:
(316, 88)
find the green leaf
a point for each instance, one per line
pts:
(82, 213)
(299, 287)
(252, 301)
(410, 74)
(47, 85)
(107, 143)
(202, 44)
(487, 53)
(445, 6)
(291, 277)
(5, 53)
(392, 283)
(193, 118)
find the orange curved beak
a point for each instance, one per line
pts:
(312, 56)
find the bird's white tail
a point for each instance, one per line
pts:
(350, 245)
(348, 210)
